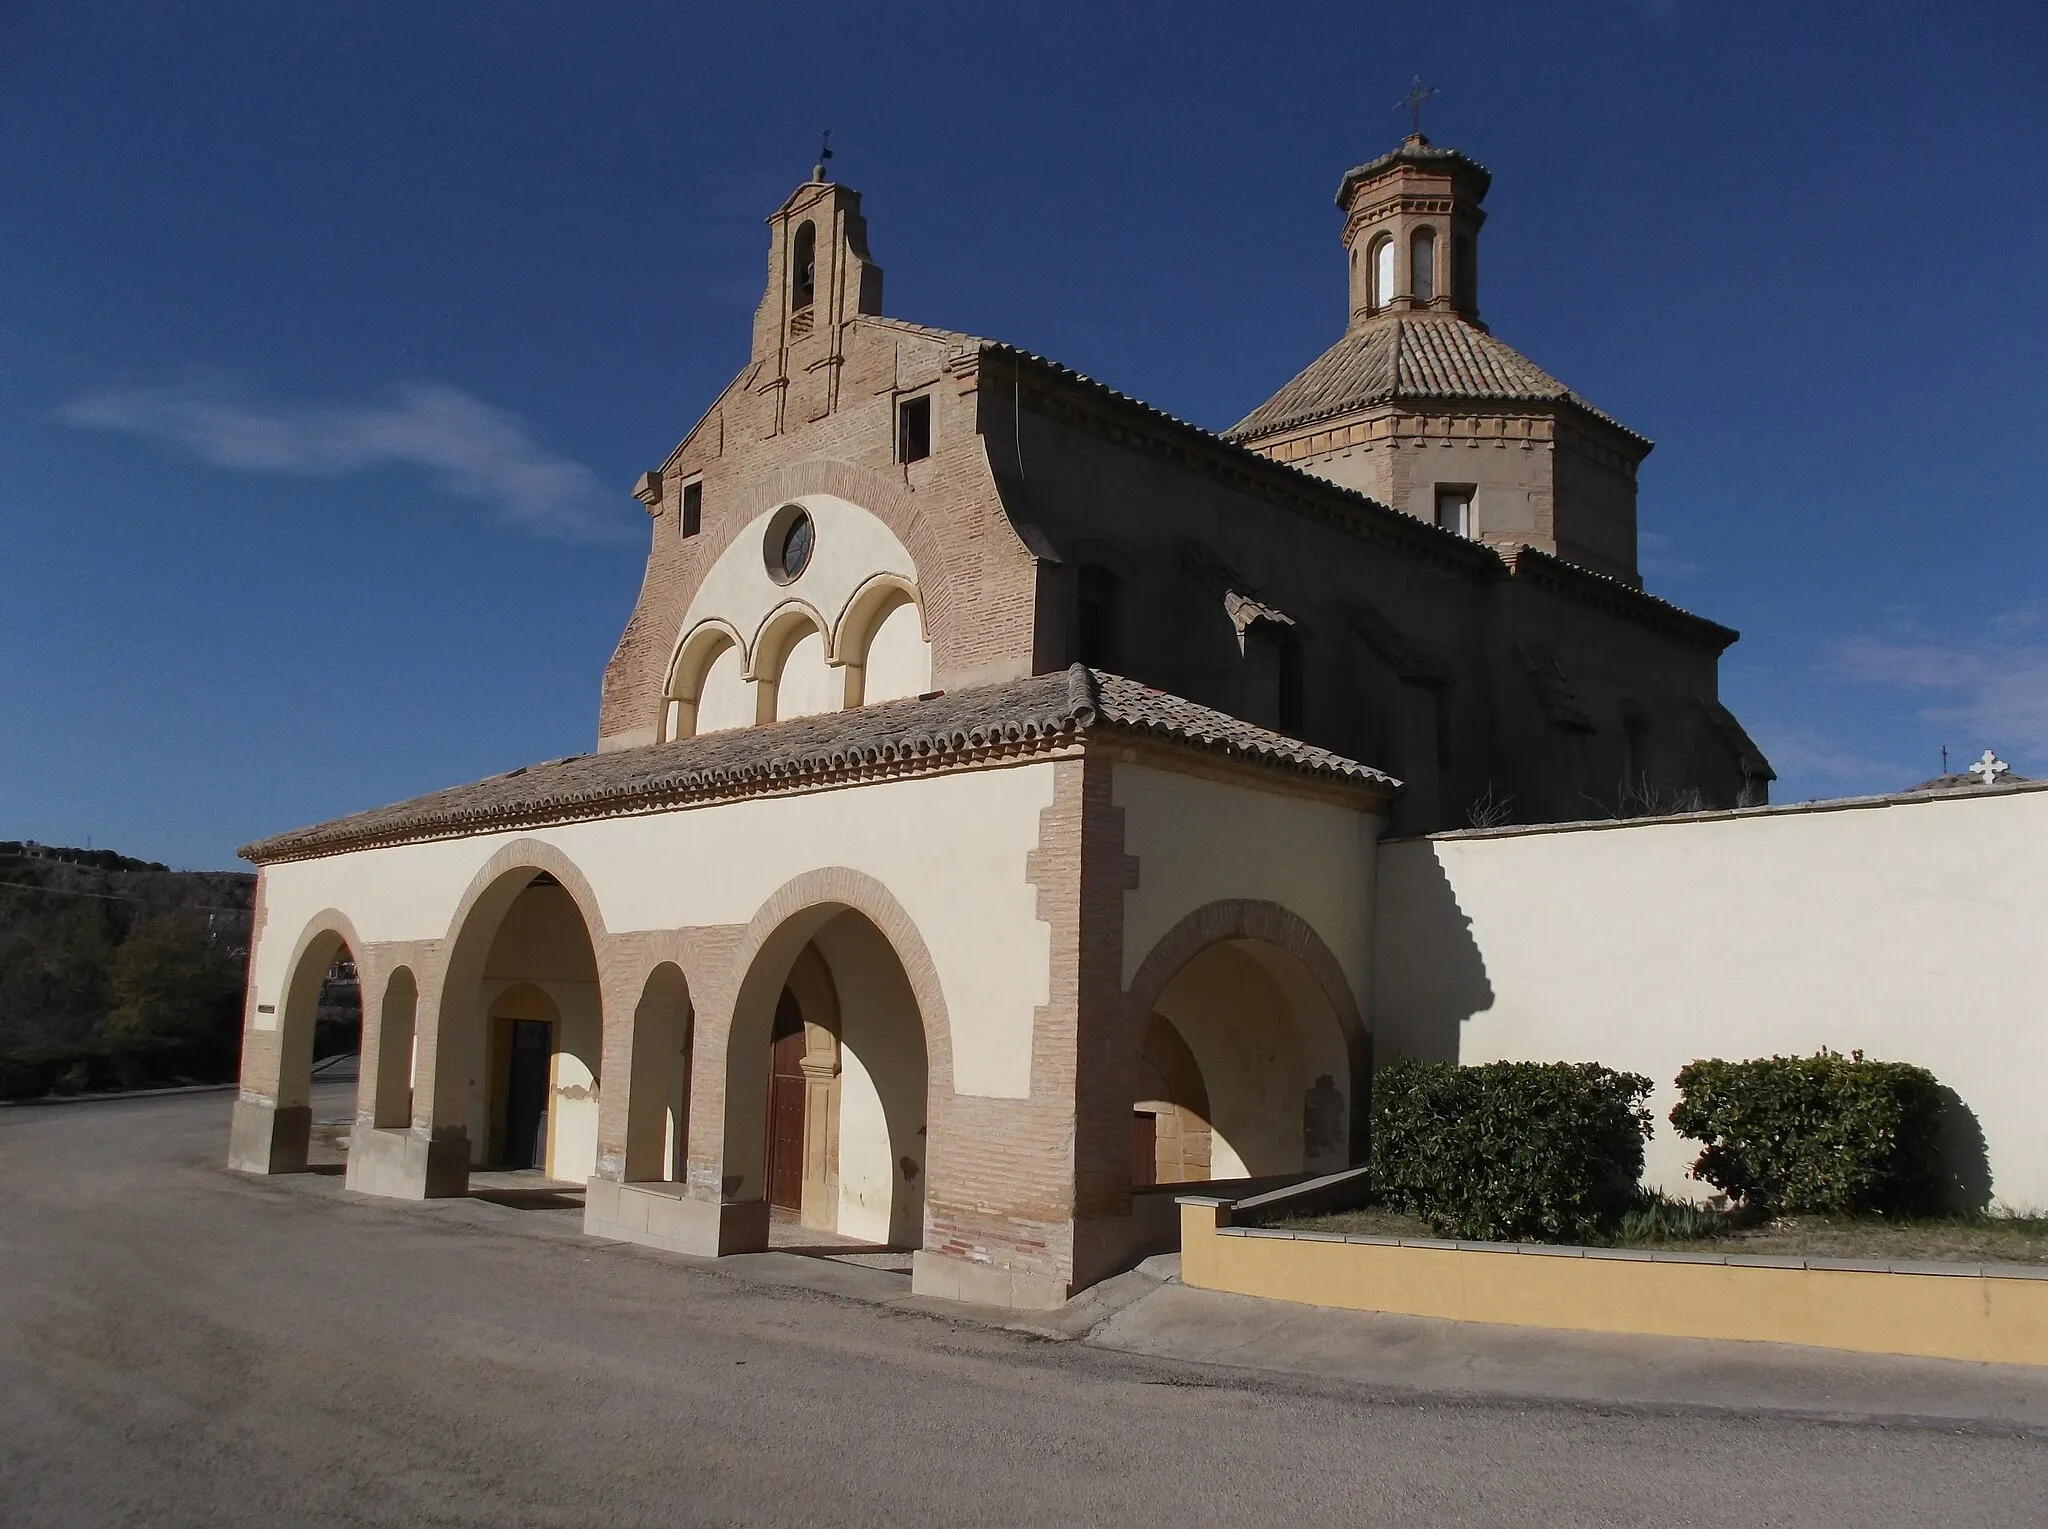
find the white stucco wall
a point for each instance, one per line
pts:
(1911, 928)
(951, 849)
(899, 660)
(726, 696)
(807, 685)
(882, 1086)
(852, 546)
(1237, 1027)
(853, 550)
(1200, 841)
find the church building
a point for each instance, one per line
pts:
(980, 840)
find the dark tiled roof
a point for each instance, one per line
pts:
(1447, 543)
(1415, 150)
(1426, 359)
(1965, 781)
(894, 737)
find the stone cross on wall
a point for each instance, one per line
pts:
(1989, 768)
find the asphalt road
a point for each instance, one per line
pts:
(181, 1346)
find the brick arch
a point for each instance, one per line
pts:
(839, 886)
(478, 916)
(772, 639)
(326, 921)
(878, 595)
(531, 854)
(1243, 918)
(294, 1076)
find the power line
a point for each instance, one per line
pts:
(117, 897)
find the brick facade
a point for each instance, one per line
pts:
(1525, 668)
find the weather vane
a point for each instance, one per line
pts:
(1412, 103)
(824, 150)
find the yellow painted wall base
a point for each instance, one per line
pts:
(1965, 1315)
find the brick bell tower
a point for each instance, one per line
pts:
(1420, 406)
(820, 276)
(1411, 227)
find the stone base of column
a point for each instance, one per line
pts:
(267, 1139)
(663, 1215)
(403, 1165)
(956, 1279)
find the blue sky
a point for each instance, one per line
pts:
(332, 337)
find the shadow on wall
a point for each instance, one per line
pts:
(1428, 974)
(1965, 1161)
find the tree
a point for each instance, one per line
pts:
(172, 983)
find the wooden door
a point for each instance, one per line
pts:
(786, 1106)
(526, 1094)
(1144, 1149)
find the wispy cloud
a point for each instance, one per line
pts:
(1808, 751)
(1658, 556)
(1993, 691)
(473, 448)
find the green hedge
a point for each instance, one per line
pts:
(1546, 1151)
(1828, 1134)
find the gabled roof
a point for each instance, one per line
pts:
(1424, 358)
(835, 748)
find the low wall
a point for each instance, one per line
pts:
(1992, 1313)
(1908, 927)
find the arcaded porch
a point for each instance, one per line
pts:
(926, 993)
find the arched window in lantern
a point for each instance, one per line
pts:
(1422, 266)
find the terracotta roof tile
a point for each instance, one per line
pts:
(898, 736)
(1405, 357)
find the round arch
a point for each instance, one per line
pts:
(1259, 923)
(390, 1075)
(792, 622)
(864, 612)
(658, 1096)
(320, 939)
(470, 1055)
(871, 606)
(889, 500)
(890, 1139)
(688, 667)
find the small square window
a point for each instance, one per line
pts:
(693, 507)
(914, 429)
(1454, 510)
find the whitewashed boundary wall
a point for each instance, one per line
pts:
(1914, 928)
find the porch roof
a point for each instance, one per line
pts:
(892, 738)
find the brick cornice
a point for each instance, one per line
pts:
(1056, 393)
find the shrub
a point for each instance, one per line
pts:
(1656, 1217)
(1827, 1134)
(1549, 1151)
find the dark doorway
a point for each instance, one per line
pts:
(526, 1094)
(786, 1107)
(1144, 1149)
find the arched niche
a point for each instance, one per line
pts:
(850, 547)
(881, 643)
(657, 1120)
(708, 686)
(1274, 1030)
(793, 672)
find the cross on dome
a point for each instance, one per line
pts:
(1412, 103)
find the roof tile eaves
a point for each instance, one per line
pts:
(1049, 709)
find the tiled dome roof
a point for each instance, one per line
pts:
(1419, 357)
